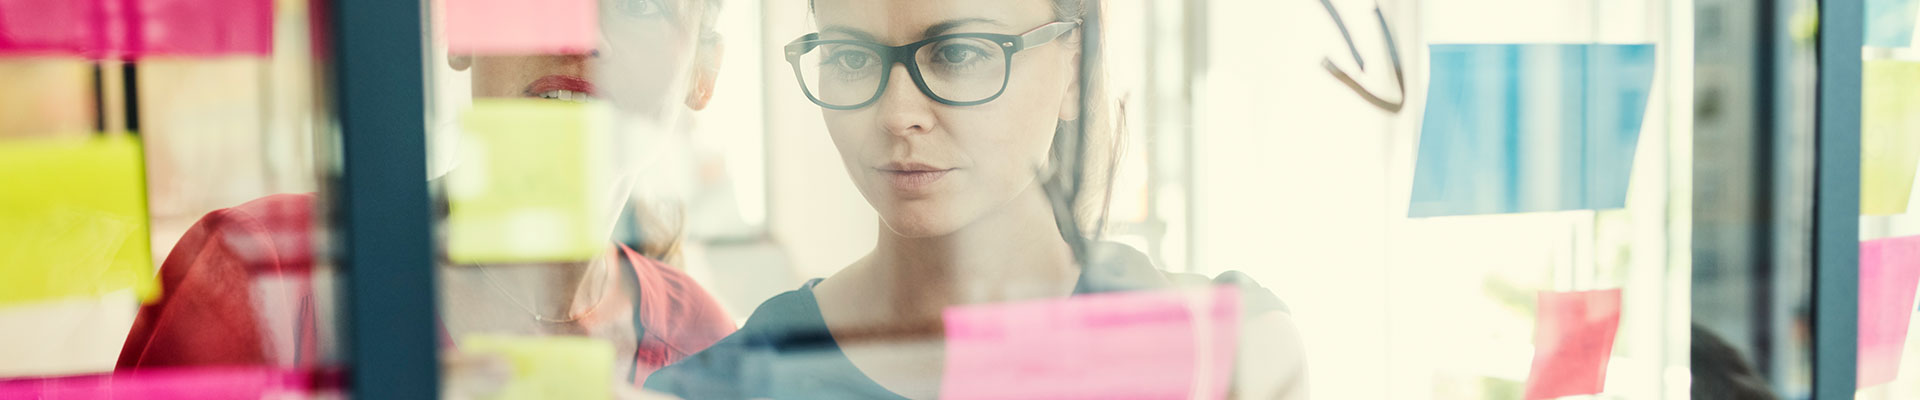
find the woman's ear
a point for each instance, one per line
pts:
(459, 62)
(706, 69)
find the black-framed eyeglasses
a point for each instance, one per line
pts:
(960, 69)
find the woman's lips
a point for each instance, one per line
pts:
(563, 87)
(913, 180)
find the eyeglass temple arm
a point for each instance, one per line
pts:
(1041, 35)
(798, 46)
(1399, 75)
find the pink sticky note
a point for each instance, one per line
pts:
(1889, 271)
(52, 27)
(213, 383)
(1136, 345)
(199, 27)
(521, 27)
(1573, 338)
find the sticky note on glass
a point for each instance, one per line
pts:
(167, 384)
(1151, 344)
(1889, 135)
(73, 219)
(199, 28)
(530, 177)
(1572, 338)
(1890, 22)
(521, 27)
(1889, 272)
(52, 28)
(550, 367)
(1512, 128)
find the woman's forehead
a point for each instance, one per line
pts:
(904, 21)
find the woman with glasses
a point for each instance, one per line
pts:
(963, 125)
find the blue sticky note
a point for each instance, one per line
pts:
(1512, 128)
(1890, 22)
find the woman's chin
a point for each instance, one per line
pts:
(920, 225)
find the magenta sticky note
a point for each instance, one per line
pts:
(209, 383)
(53, 28)
(198, 28)
(1133, 345)
(1889, 271)
(521, 27)
(1572, 338)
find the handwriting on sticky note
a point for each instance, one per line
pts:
(521, 27)
(1889, 135)
(168, 384)
(1889, 273)
(73, 219)
(527, 187)
(1512, 128)
(549, 367)
(1150, 344)
(1573, 340)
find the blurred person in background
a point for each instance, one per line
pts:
(658, 60)
(958, 121)
(1721, 373)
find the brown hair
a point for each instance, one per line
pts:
(1086, 151)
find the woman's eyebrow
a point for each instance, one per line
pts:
(855, 33)
(936, 30)
(948, 25)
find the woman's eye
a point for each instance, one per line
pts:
(851, 60)
(637, 8)
(958, 54)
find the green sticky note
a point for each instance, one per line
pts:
(73, 219)
(525, 189)
(551, 367)
(1889, 135)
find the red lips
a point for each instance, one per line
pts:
(559, 82)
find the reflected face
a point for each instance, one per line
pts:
(641, 66)
(928, 168)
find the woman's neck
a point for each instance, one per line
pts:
(1013, 253)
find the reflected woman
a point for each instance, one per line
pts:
(958, 121)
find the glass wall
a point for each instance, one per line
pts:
(1407, 199)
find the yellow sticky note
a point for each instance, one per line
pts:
(1889, 135)
(528, 177)
(551, 367)
(73, 219)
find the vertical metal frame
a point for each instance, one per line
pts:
(382, 219)
(1836, 219)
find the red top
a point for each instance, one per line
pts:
(241, 276)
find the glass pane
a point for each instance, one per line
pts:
(1890, 233)
(163, 204)
(581, 152)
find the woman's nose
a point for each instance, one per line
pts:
(904, 111)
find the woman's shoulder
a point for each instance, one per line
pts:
(1123, 268)
(1255, 298)
(783, 324)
